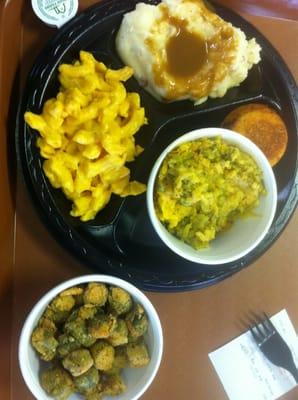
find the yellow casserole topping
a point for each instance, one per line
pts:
(203, 186)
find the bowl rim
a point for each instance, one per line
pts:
(230, 136)
(40, 305)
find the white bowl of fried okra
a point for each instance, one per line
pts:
(94, 337)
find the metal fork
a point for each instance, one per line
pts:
(273, 346)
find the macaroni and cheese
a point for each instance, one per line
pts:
(87, 135)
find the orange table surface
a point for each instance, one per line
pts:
(194, 323)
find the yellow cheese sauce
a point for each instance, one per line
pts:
(203, 186)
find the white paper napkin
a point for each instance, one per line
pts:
(245, 372)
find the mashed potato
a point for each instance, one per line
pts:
(180, 49)
(203, 187)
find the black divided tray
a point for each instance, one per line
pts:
(120, 240)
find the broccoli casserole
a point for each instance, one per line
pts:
(203, 186)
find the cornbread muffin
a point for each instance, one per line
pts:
(263, 126)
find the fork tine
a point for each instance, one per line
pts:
(255, 336)
(269, 323)
(259, 330)
(266, 326)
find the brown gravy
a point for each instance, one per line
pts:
(186, 52)
(192, 63)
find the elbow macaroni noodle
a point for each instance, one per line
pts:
(87, 135)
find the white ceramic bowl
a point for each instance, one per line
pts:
(137, 379)
(246, 233)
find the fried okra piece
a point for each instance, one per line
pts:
(120, 361)
(87, 382)
(73, 315)
(95, 395)
(60, 308)
(120, 358)
(57, 316)
(119, 335)
(103, 355)
(137, 322)
(73, 291)
(119, 300)
(137, 354)
(96, 293)
(112, 385)
(66, 344)
(77, 328)
(78, 362)
(57, 383)
(47, 324)
(79, 300)
(63, 303)
(43, 339)
(102, 326)
(87, 311)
